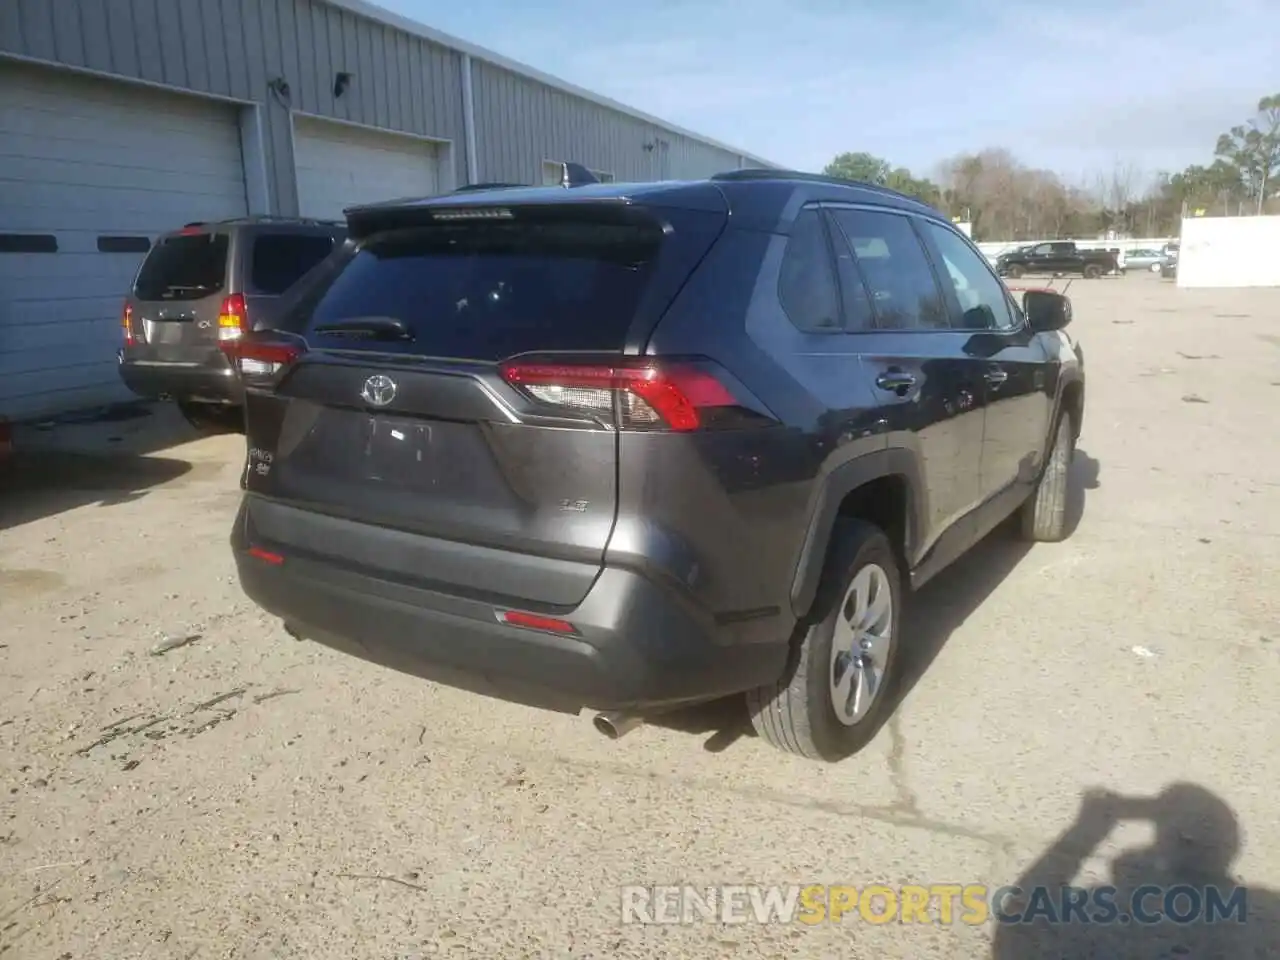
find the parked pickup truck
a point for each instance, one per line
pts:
(1057, 257)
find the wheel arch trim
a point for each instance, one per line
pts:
(832, 490)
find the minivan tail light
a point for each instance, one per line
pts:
(638, 395)
(126, 325)
(233, 318)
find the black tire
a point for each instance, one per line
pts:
(796, 714)
(1044, 516)
(212, 418)
(1092, 272)
(1014, 272)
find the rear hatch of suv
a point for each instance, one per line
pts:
(441, 404)
(178, 299)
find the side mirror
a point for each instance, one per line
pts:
(1046, 311)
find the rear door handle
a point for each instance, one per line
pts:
(996, 377)
(897, 381)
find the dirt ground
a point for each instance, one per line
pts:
(181, 779)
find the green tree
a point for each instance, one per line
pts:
(1216, 186)
(868, 168)
(863, 167)
(902, 180)
(1253, 150)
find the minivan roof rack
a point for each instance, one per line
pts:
(275, 218)
(766, 173)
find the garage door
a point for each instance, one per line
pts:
(93, 171)
(340, 166)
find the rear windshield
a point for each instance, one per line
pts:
(187, 267)
(281, 259)
(487, 291)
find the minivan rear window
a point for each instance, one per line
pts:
(489, 290)
(185, 267)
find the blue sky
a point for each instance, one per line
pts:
(1075, 86)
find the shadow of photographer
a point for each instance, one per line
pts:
(1173, 898)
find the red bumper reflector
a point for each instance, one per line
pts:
(266, 556)
(535, 622)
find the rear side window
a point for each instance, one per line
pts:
(896, 270)
(806, 282)
(489, 290)
(185, 267)
(280, 260)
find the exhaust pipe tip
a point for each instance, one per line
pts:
(615, 726)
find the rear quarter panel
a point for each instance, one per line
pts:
(729, 512)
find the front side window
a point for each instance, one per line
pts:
(983, 303)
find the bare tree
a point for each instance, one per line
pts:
(1006, 200)
(1116, 192)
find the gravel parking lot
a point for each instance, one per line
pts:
(181, 779)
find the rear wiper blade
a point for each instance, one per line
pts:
(372, 328)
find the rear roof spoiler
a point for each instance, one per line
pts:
(571, 175)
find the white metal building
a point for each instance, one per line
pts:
(119, 121)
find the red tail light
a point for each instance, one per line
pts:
(533, 621)
(642, 394)
(126, 326)
(261, 358)
(233, 318)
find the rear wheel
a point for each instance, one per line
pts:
(1044, 515)
(212, 417)
(834, 698)
(1092, 272)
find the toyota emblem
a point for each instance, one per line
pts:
(379, 390)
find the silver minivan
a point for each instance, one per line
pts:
(202, 286)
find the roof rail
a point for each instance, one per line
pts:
(765, 173)
(194, 223)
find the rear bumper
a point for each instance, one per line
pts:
(638, 647)
(197, 382)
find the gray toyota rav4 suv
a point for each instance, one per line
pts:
(632, 446)
(202, 286)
